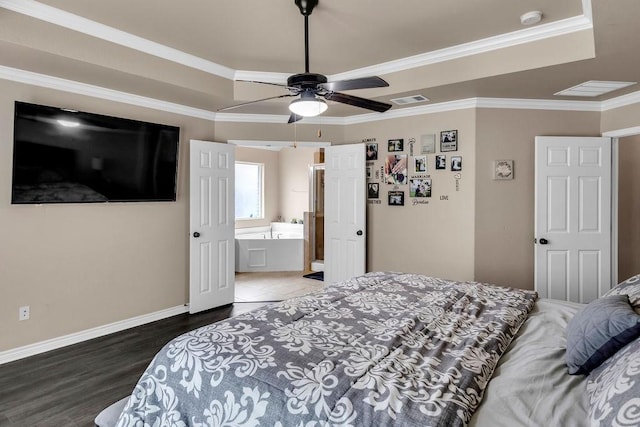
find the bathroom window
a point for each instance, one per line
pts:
(249, 190)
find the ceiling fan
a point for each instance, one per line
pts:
(312, 88)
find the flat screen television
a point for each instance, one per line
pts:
(68, 156)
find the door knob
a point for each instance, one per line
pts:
(359, 232)
(196, 234)
(543, 241)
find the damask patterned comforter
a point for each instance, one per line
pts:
(378, 350)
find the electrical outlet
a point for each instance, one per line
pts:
(23, 313)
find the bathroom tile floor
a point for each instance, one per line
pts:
(273, 286)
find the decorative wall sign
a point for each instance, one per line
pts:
(420, 164)
(372, 151)
(428, 144)
(503, 169)
(395, 145)
(441, 161)
(448, 140)
(420, 187)
(396, 198)
(373, 190)
(395, 169)
(456, 163)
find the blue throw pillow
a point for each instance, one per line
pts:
(598, 331)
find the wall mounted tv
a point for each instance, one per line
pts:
(68, 156)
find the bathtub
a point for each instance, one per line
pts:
(277, 247)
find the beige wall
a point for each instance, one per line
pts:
(294, 181)
(226, 131)
(620, 118)
(85, 265)
(435, 238)
(629, 207)
(82, 266)
(504, 217)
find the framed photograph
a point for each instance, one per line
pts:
(369, 172)
(396, 198)
(395, 169)
(441, 161)
(428, 144)
(420, 187)
(503, 169)
(395, 145)
(373, 190)
(456, 163)
(420, 164)
(372, 151)
(448, 140)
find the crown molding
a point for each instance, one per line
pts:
(262, 76)
(95, 29)
(276, 119)
(277, 145)
(538, 104)
(50, 82)
(412, 111)
(621, 133)
(528, 35)
(74, 22)
(621, 101)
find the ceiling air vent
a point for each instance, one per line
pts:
(594, 88)
(413, 99)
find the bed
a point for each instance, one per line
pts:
(390, 349)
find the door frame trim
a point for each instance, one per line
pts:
(615, 135)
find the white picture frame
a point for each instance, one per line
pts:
(503, 170)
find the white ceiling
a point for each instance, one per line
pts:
(191, 53)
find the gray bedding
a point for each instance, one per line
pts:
(380, 349)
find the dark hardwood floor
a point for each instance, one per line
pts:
(71, 385)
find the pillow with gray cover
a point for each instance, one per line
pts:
(630, 287)
(598, 331)
(613, 389)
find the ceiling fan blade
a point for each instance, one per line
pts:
(253, 102)
(294, 118)
(351, 84)
(369, 104)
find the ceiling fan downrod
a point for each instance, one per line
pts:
(306, 7)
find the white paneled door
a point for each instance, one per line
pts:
(345, 212)
(212, 225)
(572, 217)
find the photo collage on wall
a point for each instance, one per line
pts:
(402, 167)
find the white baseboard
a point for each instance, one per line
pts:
(65, 340)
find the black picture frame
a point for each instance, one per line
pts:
(448, 140)
(441, 162)
(372, 151)
(420, 187)
(456, 163)
(394, 145)
(373, 190)
(395, 198)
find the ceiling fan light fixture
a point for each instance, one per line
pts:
(308, 107)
